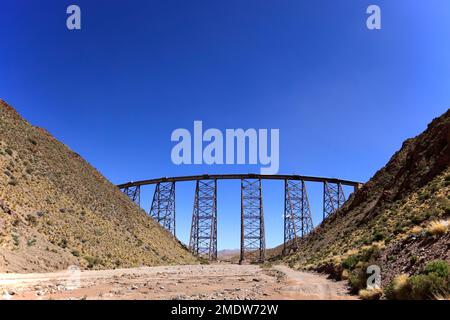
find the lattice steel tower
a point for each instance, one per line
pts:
(134, 193)
(297, 214)
(253, 245)
(163, 205)
(203, 239)
(333, 198)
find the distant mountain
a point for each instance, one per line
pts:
(231, 255)
(57, 210)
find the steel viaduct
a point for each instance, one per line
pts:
(203, 237)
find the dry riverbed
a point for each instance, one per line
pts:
(215, 281)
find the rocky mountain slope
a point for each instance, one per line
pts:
(398, 220)
(56, 210)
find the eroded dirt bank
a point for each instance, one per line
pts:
(216, 281)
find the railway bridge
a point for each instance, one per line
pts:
(203, 236)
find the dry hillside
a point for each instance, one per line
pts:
(57, 210)
(399, 219)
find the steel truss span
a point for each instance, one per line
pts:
(203, 237)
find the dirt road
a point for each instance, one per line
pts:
(215, 281)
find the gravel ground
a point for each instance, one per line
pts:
(215, 281)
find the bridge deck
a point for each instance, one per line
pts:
(240, 176)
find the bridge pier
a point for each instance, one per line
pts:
(203, 239)
(163, 205)
(253, 245)
(134, 193)
(297, 214)
(333, 198)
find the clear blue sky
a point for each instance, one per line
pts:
(343, 97)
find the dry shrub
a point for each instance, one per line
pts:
(416, 230)
(438, 227)
(370, 294)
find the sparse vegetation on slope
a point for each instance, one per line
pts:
(57, 210)
(398, 220)
(431, 283)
